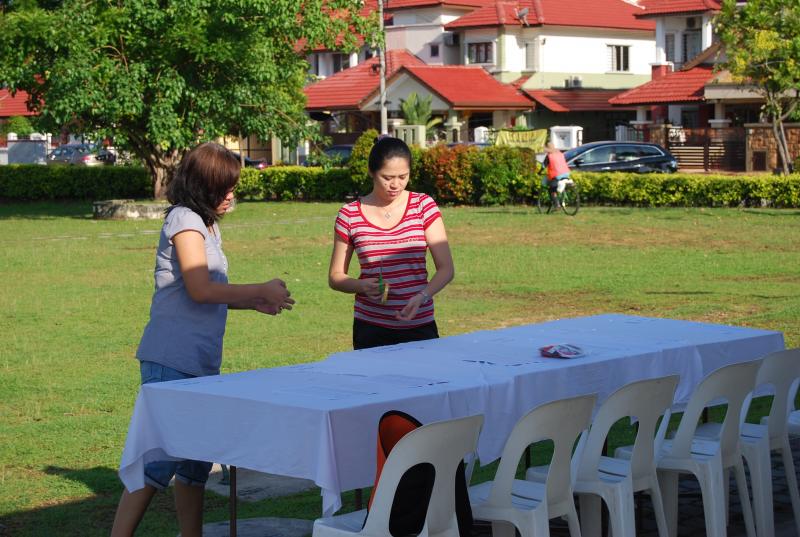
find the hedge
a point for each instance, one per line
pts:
(459, 175)
(689, 190)
(36, 182)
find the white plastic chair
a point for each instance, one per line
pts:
(525, 505)
(708, 458)
(614, 480)
(781, 371)
(442, 444)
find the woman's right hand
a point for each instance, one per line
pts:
(276, 295)
(370, 288)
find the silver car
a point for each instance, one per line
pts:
(81, 155)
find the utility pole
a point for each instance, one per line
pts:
(382, 58)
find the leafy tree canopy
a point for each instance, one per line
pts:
(160, 76)
(762, 48)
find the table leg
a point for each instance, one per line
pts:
(359, 499)
(232, 501)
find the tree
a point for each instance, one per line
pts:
(159, 76)
(761, 40)
(417, 111)
(19, 125)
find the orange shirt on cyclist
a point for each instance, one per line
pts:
(556, 163)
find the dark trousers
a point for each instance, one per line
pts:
(366, 335)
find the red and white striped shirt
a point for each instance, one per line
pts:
(398, 253)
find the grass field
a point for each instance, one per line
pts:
(77, 294)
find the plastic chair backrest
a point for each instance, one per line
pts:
(442, 444)
(730, 383)
(560, 421)
(392, 426)
(647, 401)
(781, 370)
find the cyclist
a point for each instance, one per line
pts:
(557, 172)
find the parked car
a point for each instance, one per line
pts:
(82, 155)
(621, 156)
(479, 145)
(340, 153)
(252, 163)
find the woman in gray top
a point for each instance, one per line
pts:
(187, 316)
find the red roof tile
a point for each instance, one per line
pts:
(14, 106)
(347, 89)
(597, 14)
(467, 87)
(672, 7)
(403, 4)
(677, 87)
(575, 100)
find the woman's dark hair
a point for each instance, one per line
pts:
(203, 179)
(387, 148)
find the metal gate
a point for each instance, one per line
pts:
(708, 149)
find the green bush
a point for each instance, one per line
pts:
(359, 161)
(36, 182)
(19, 125)
(497, 175)
(689, 190)
(284, 183)
(505, 174)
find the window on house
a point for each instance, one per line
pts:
(669, 47)
(340, 62)
(369, 53)
(692, 44)
(532, 56)
(618, 57)
(434, 51)
(480, 52)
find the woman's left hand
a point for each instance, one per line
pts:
(409, 311)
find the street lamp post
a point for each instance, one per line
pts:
(382, 58)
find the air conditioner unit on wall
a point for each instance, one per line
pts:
(574, 81)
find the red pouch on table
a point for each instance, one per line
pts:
(565, 350)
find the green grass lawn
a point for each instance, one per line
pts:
(77, 292)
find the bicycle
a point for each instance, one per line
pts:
(569, 199)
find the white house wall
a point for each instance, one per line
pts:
(676, 25)
(569, 52)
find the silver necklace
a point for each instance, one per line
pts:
(387, 211)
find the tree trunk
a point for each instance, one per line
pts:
(162, 166)
(775, 109)
(780, 138)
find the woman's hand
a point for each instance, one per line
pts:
(370, 288)
(409, 311)
(274, 296)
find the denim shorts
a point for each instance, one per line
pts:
(159, 473)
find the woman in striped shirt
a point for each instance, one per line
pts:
(390, 230)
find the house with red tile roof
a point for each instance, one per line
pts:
(14, 105)
(349, 100)
(568, 56)
(687, 93)
(580, 53)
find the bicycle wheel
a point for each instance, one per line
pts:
(542, 201)
(570, 199)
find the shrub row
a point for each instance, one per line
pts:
(36, 182)
(457, 175)
(689, 190)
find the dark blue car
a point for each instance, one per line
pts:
(622, 157)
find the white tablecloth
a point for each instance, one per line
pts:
(318, 421)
